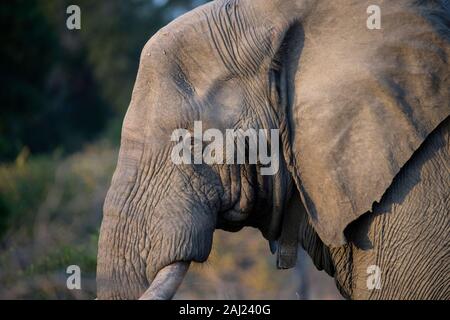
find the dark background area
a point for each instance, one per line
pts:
(63, 97)
(60, 87)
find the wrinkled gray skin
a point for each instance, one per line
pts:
(302, 67)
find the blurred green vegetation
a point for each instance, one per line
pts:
(52, 207)
(60, 87)
(23, 187)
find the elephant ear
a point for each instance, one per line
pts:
(362, 102)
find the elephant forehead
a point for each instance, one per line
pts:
(182, 79)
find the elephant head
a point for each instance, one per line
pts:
(351, 105)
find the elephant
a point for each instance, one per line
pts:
(363, 176)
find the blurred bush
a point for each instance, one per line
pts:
(49, 95)
(55, 207)
(23, 187)
(61, 88)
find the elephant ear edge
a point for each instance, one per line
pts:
(352, 136)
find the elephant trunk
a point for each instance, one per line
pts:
(166, 282)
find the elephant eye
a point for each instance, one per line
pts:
(192, 141)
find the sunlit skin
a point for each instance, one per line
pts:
(364, 145)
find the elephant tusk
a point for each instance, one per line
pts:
(166, 282)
